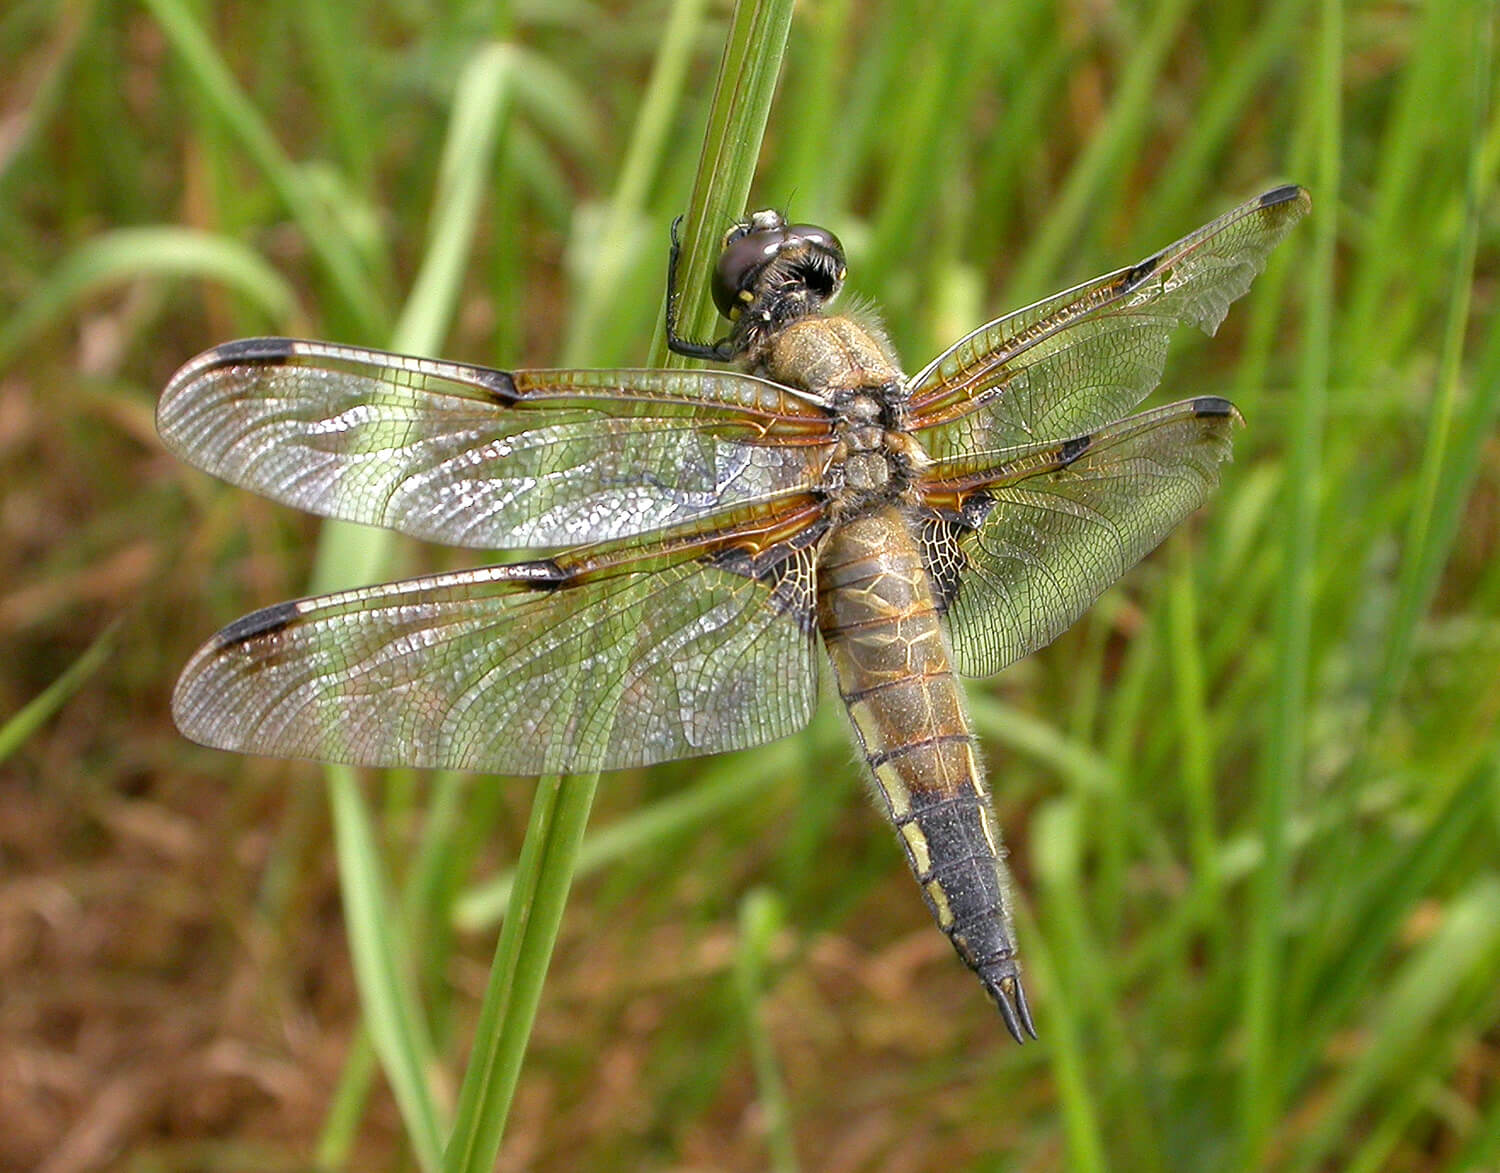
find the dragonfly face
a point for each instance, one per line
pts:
(699, 533)
(770, 273)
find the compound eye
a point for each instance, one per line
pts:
(819, 240)
(745, 255)
(823, 268)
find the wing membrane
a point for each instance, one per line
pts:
(525, 669)
(471, 456)
(1024, 558)
(1083, 358)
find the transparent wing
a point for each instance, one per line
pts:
(1023, 557)
(1083, 358)
(471, 456)
(539, 667)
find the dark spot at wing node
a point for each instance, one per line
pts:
(258, 624)
(500, 385)
(544, 574)
(1140, 272)
(1072, 449)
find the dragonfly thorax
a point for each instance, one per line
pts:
(876, 461)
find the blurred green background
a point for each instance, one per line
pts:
(1253, 799)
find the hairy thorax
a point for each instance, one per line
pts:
(851, 363)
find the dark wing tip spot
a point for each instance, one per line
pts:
(269, 351)
(266, 621)
(1281, 195)
(1213, 405)
(266, 350)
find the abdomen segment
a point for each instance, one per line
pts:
(879, 620)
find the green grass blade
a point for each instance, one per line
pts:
(346, 1107)
(614, 251)
(1392, 893)
(1398, 189)
(480, 107)
(130, 254)
(1065, 1038)
(1192, 165)
(1466, 946)
(743, 90)
(348, 553)
(16, 729)
(321, 229)
(1115, 138)
(1194, 727)
(426, 897)
(544, 875)
(549, 857)
(384, 970)
(819, 60)
(721, 787)
(761, 918)
(32, 103)
(1334, 967)
(339, 60)
(1077, 763)
(1282, 763)
(1441, 483)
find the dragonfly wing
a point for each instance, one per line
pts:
(471, 456)
(1020, 559)
(551, 666)
(1083, 358)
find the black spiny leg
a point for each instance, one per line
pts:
(720, 351)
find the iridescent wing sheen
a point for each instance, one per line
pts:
(1019, 550)
(577, 663)
(470, 456)
(1081, 359)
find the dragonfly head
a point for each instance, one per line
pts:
(767, 259)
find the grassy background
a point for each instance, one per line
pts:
(1253, 798)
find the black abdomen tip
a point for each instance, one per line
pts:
(1010, 997)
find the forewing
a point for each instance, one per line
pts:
(1017, 562)
(1083, 358)
(471, 456)
(533, 668)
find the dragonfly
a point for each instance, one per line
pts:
(699, 540)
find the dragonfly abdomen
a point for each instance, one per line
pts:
(878, 615)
